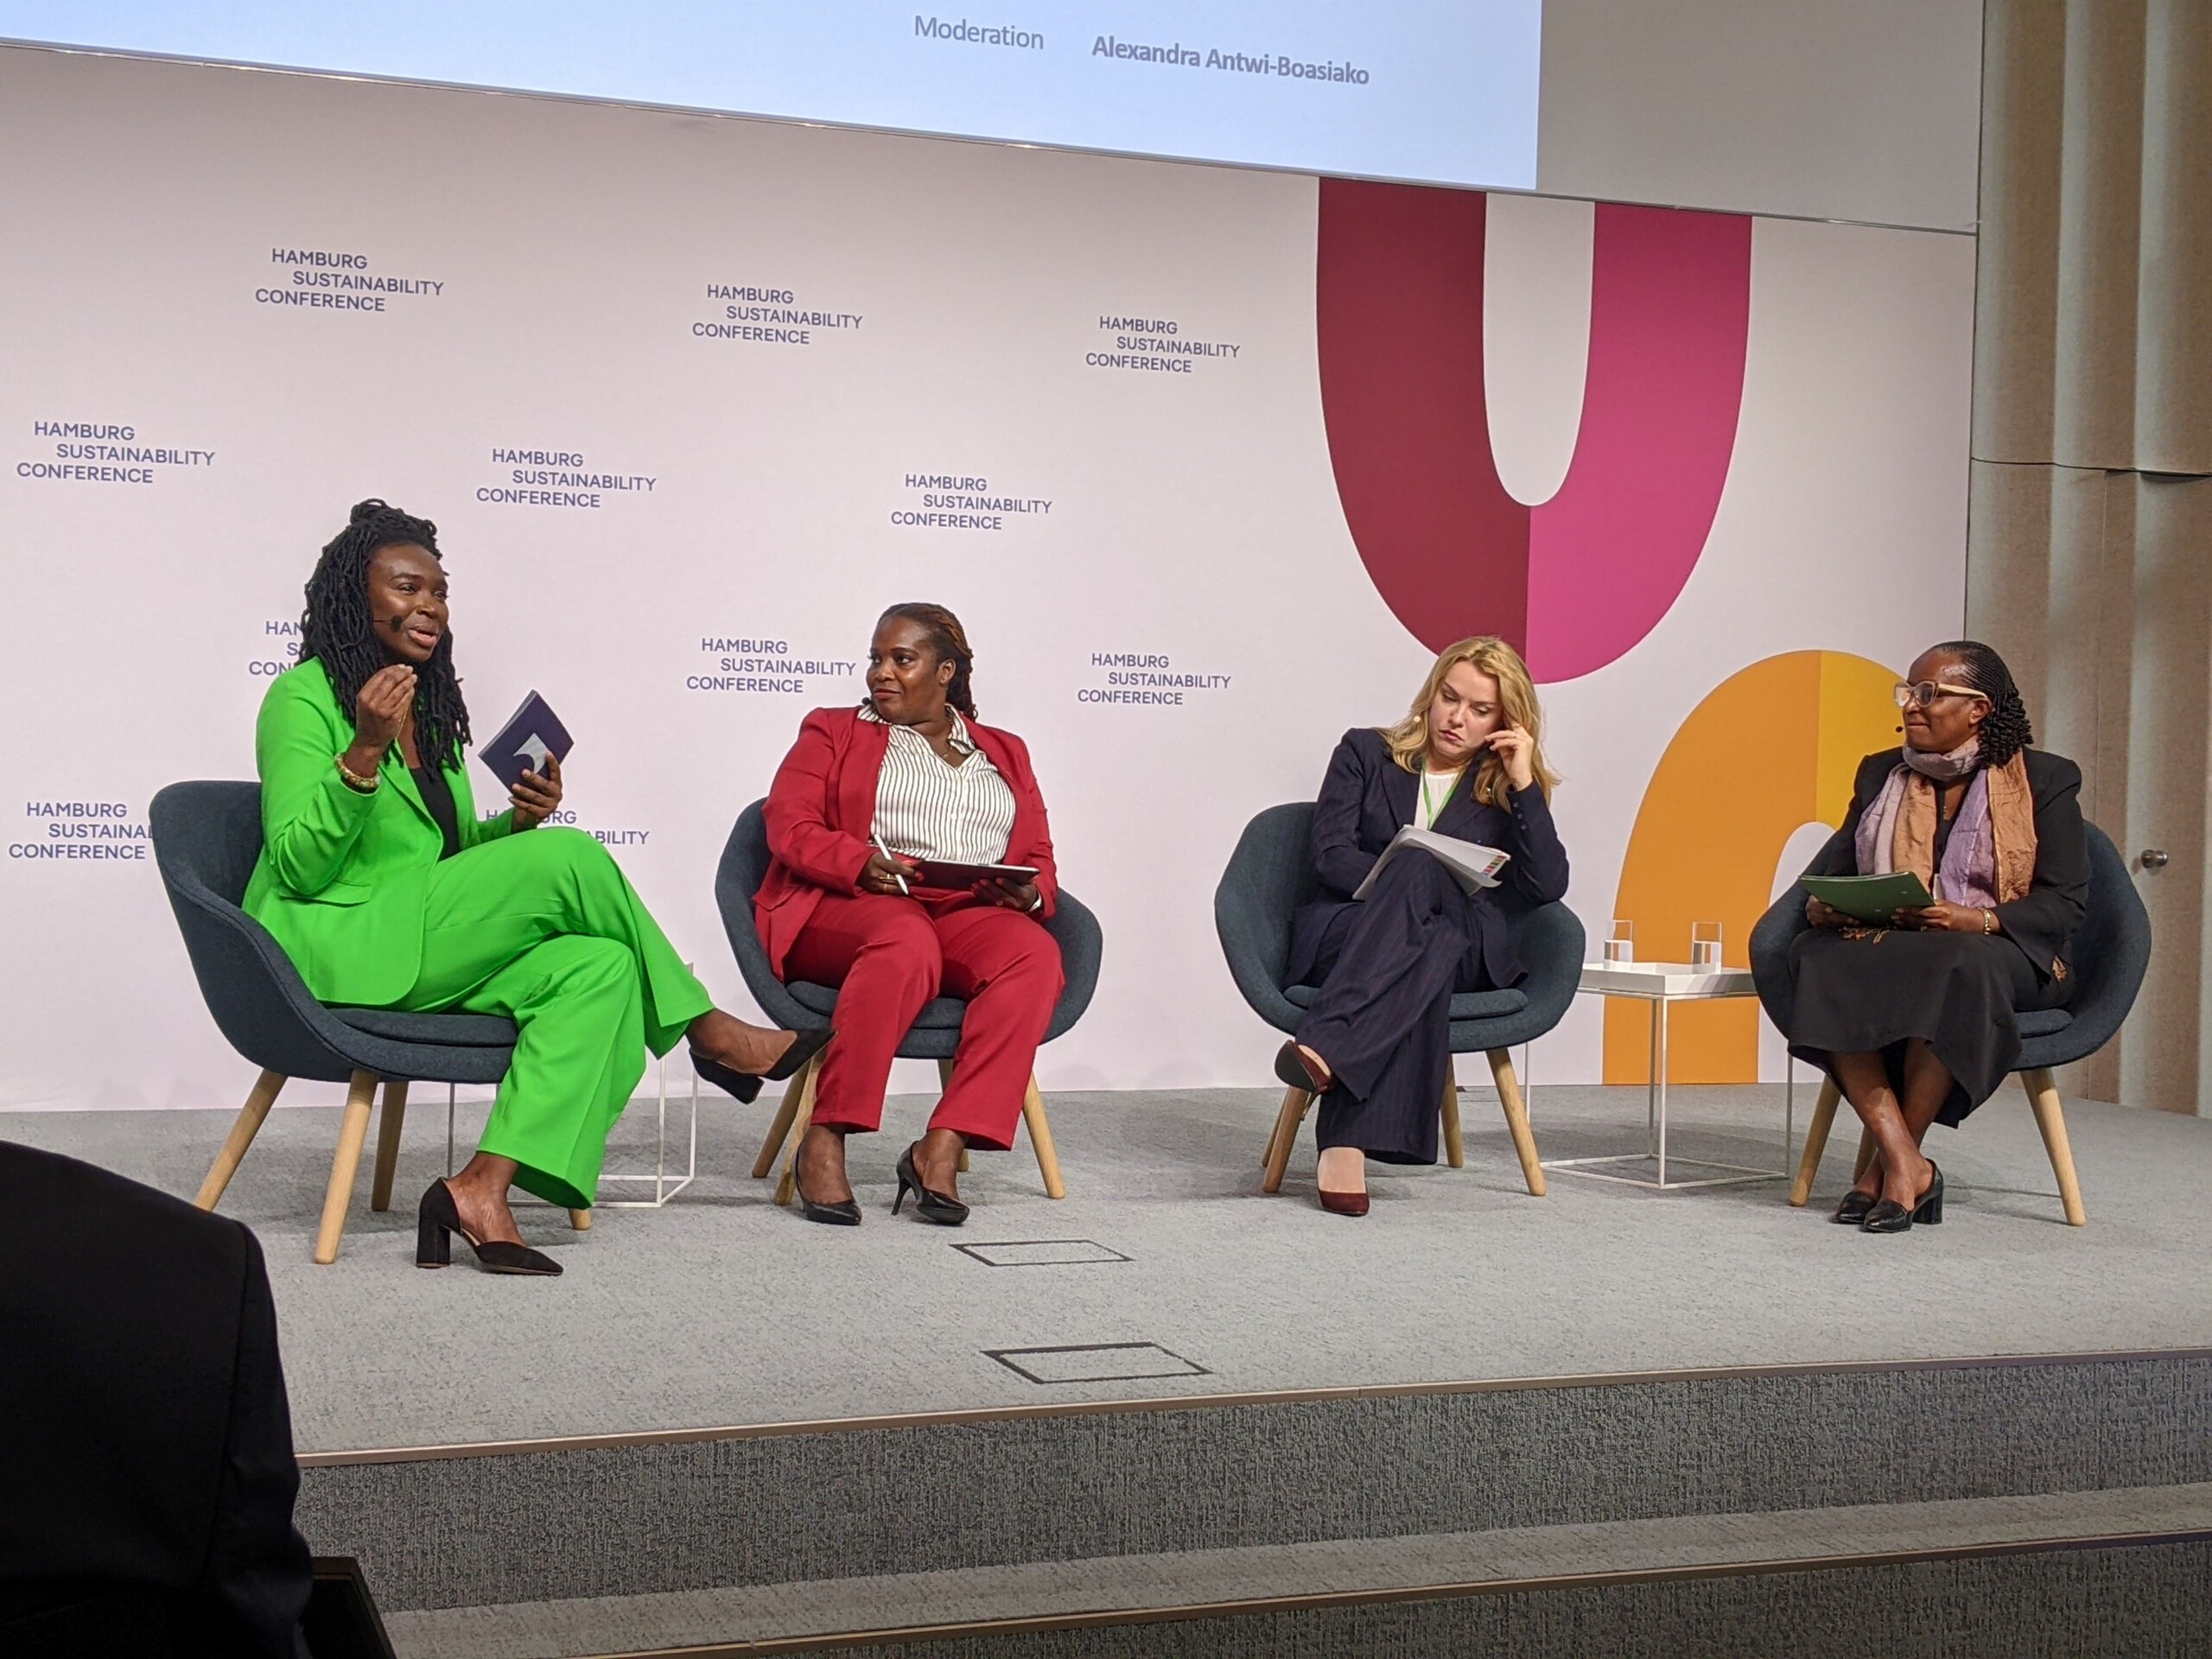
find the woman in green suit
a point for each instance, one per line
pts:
(387, 891)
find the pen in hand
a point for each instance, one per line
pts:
(904, 889)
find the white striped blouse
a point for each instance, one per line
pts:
(927, 808)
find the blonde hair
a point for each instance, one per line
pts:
(1516, 694)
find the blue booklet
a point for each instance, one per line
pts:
(531, 732)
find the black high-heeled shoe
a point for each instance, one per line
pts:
(939, 1207)
(844, 1213)
(437, 1219)
(1891, 1216)
(1852, 1208)
(1291, 1067)
(746, 1085)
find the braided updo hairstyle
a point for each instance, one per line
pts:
(2005, 730)
(337, 631)
(950, 640)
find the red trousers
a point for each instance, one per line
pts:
(892, 955)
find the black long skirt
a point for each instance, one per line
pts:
(1875, 991)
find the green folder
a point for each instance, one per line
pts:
(1868, 897)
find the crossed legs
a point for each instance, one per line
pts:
(543, 928)
(1898, 1120)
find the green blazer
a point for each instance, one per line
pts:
(342, 875)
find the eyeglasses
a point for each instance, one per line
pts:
(1928, 691)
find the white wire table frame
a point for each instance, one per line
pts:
(666, 1183)
(1661, 984)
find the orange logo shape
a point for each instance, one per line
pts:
(1771, 748)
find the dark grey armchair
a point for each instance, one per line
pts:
(207, 837)
(2112, 952)
(1271, 873)
(935, 1034)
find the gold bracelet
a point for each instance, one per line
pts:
(1988, 922)
(353, 779)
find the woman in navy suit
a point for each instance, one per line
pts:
(1375, 1045)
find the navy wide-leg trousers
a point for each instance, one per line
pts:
(1388, 969)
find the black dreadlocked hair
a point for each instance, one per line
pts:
(950, 640)
(2005, 730)
(337, 632)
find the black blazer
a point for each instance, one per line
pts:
(1367, 798)
(146, 1469)
(2042, 921)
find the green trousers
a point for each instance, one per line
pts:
(544, 928)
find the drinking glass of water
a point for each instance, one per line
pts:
(1705, 945)
(1620, 943)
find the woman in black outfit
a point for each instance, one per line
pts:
(1376, 1044)
(1915, 1021)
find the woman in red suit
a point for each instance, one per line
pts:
(863, 794)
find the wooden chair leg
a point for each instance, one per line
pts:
(1294, 1104)
(388, 1127)
(1455, 1150)
(802, 1083)
(580, 1220)
(1040, 1141)
(802, 1115)
(352, 1131)
(1516, 1118)
(1816, 1141)
(244, 1128)
(1867, 1148)
(945, 1081)
(2042, 1097)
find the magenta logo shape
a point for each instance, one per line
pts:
(1576, 582)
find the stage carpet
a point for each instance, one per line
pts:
(1170, 1397)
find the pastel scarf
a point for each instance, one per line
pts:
(1990, 859)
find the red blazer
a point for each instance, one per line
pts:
(822, 807)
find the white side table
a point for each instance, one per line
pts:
(1661, 984)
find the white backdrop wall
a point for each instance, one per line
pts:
(567, 253)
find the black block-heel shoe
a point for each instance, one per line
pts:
(1889, 1217)
(1852, 1208)
(436, 1220)
(747, 1086)
(941, 1208)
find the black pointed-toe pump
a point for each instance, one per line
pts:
(805, 1045)
(939, 1207)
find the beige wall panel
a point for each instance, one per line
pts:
(2008, 567)
(2171, 737)
(2016, 288)
(2173, 389)
(2089, 560)
(2099, 200)
(2091, 573)
(2091, 643)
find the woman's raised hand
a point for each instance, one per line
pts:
(381, 711)
(535, 798)
(1514, 750)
